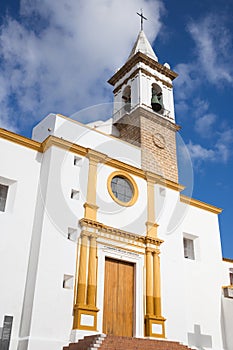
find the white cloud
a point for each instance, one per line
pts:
(197, 152)
(204, 125)
(60, 54)
(187, 82)
(220, 152)
(213, 48)
(211, 63)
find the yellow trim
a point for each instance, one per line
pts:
(64, 144)
(132, 183)
(90, 205)
(157, 283)
(149, 282)
(230, 286)
(151, 225)
(20, 140)
(228, 260)
(82, 274)
(199, 204)
(92, 271)
(132, 239)
(80, 150)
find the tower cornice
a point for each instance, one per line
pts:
(137, 58)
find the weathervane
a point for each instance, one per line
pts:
(142, 18)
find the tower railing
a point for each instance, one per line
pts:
(128, 109)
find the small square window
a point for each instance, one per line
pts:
(74, 194)
(72, 234)
(77, 160)
(68, 282)
(162, 192)
(231, 276)
(3, 196)
(188, 248)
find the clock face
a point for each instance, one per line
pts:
(159, 140)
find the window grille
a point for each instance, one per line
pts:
(188, 249)
(3, 196)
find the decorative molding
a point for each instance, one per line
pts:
(20, 140)
(83, 151)
(64, 144)
(137, 58)
(144, 71)
(95, 156)
(199, 204)
(97, 228)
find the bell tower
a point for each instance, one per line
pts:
(144, 108)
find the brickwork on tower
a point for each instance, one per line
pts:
(157, 138)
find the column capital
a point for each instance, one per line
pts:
(152, 178)
(95, 156)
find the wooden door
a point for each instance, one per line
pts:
(118, 298)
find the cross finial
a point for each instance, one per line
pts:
(142, 18)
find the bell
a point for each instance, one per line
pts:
(156, 103)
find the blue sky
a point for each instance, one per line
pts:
(56, 56)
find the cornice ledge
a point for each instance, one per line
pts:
(155, 241)
(61, 143)
(200, 204)
(96, 156)
(228, 260)
(111, 230)
(158, 179)
(141, 57)
(159, 119)
(20, 140)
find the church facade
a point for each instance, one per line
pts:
(96, 235)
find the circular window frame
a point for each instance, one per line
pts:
(132, 183)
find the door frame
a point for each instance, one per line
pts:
(103, 252)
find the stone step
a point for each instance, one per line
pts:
(110, 342)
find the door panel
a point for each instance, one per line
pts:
(118, 298)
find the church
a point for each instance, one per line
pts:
(97, 238)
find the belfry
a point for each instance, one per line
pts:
(109, 250)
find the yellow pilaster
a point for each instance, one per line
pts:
(154, 321)
(151, 225)
(91, 288)
(85, 306)
(90, 205)
(149, 283)
(81, 296)
(156, 281)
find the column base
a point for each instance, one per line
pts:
(85, 317)
(155, 326)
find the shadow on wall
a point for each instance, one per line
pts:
(201, 341)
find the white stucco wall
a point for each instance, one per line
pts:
(40, 212)
(20, 168)
(191, 289)
(85, 136)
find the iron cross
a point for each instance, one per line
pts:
(142, 18)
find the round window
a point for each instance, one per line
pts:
(122, 188)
